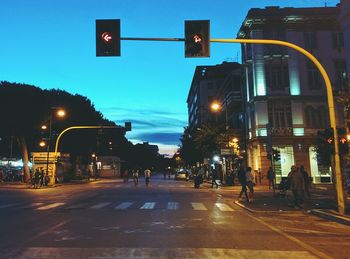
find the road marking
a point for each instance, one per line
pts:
(123, 205)
(35, 204)
(100, 205)
(295, 240)
(148, 206)
(8, 205)
(223, 207)
(51, 206)
(173, 205)
(198, 206)
(111, 252)
(77, 206)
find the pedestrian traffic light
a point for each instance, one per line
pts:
(107, 38)
(276, 155)
(197, 38)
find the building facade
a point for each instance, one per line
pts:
(344, 19)
(285, 96)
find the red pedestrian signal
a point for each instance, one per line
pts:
(197, 39)
(107, 38)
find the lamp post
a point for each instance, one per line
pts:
(59, 112)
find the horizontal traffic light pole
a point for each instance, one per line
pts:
(153, 39)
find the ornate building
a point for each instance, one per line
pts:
(285, 95)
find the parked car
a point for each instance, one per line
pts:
(182, 175)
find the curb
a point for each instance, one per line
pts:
(331, 216)
(271, 211)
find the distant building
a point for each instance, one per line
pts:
(344, 19)
(221, 83)
(286, 100)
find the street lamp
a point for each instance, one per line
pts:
(59, 113)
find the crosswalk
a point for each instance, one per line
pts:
(120, 206)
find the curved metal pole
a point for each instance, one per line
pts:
(53, 180)
(337, 170)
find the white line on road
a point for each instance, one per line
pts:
(100, 205)
(198, 206)
(148, 206)
(223, 207)
(173, 205)
(35, 204)
(51, 206)
(8, 205)
(123, 205)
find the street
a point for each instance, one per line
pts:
(168, 219)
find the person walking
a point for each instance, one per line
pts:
(271, 177)
(135, 175)
(242, 178)
(41, 177)
(36, 178)
(147, 173)
(126, 176)
(250, 182)
(306, 181)
(297, 186)
(214, 177)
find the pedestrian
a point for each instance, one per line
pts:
(242, 178)
(214, 177)
(271, 177)
(147, 173)
(250, 175)
(126, 176)
(306, 181)
(41, 177)
(36, 178)
(297, 185)
(135, 175)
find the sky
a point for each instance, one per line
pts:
(51, 44)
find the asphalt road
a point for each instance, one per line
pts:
(168, 219)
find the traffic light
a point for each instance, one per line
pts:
(276, 155)
(107, 38)
(197, 38)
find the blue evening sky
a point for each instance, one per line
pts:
(51, 44)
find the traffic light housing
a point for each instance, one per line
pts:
(107, 38)
(276, 155)
(197, 38)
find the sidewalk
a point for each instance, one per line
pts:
(322, 203)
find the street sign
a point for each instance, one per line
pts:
(226, 151)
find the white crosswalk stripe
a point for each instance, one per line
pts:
(198, 206)
(123, 205)
(77, 206)
(223, 207)
(148, 206)
(4, 206)
(173, 205)
(51, 206)
(100, 205)
(32, 205)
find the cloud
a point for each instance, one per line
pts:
(164, 138)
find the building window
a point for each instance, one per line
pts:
(276, 74)
(274, 49)
(313, 76)
(280, 114)
(340, 75)
(310, 40)
(338, 40)
(316, 118)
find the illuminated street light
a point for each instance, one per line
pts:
(61, 113)
(215, 106)
(44, 127)
(42, 143)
